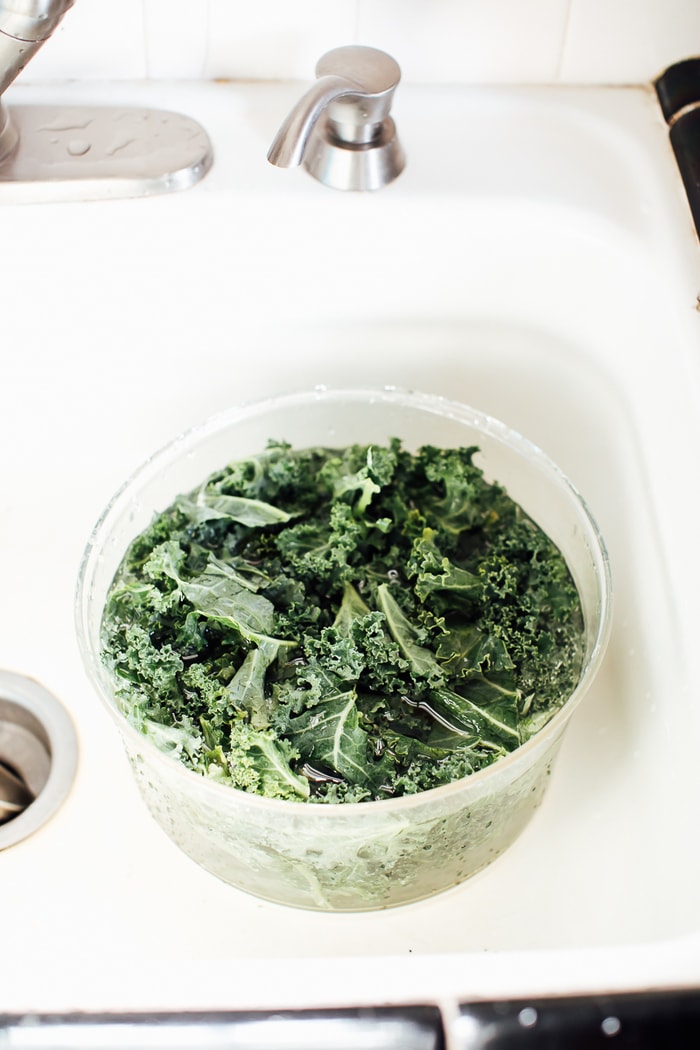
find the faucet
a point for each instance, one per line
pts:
(60, 152)
(340, 130)
(24, 26)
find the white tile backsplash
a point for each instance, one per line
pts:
(275, 39)
(468, 40)
(97, 39)
(675, 31)
(610, 41)
(628, 41)
(465, 41)
(176, 35)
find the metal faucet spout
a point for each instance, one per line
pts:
(24, 26)
(78, 160)
(31, 20)
(289, 144)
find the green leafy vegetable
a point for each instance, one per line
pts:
(332, 625)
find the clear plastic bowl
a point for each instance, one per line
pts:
(366, 855)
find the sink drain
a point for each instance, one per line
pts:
(38, 756)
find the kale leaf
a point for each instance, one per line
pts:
(330, 625)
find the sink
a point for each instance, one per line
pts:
(536, 259)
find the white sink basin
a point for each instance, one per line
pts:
(537, 260)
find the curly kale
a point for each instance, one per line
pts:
(331, 625)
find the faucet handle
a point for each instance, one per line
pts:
(357, 118)
(346, 110)
(376, 74)
(374, 71)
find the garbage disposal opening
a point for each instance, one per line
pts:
(38, 756)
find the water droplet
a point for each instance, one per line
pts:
(119, 145)
(527, 1017)
(611, 1025)
(78, 147)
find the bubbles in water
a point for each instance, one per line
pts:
(611, 1026)
(527, 1017)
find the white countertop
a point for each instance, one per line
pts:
(535, 259)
